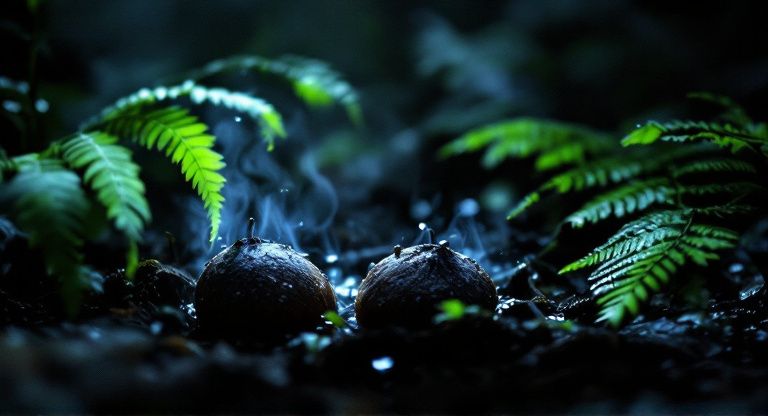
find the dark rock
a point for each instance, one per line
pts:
(118, 291)
(161, 284)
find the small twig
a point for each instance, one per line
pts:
(251, 226)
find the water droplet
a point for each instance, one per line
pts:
(421, 209)
(422, 226)
(190, 309)
(468, 208)
(94, 334)
(238, 119)
(41, 106)
(382, 364)
(334, 273)
(156, 327)
(331, 258)
(736, 268)
(11, 106)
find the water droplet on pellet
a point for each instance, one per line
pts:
(331, 258)
(382, 364)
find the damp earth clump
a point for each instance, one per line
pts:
(407, 287)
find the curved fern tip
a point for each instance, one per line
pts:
(131, 259)
(526, 203)
(569, 268)
(355, 113)
(309, 90)
(646, 134)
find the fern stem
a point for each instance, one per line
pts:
(679, 191)
(743, 136)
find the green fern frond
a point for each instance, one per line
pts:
(627, 199)
(733, 112)
(183, 138)
(695, 181)
(314, 81)
(528, 201)
(598, 174)
(110, 171)
(730, 188)
(641, 195)
(566, 154)
(632, 237)
(724, 135)
(50, 205)
(712, 165)
(613, 171)
(262, 112)
(644, 254)
(556, 144)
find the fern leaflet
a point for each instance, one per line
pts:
(712, 165)
(263, 113)
(733, 112)
(109, 170)
(641, 195)
(613, 171)
(636, 196)
(314, 81)
(597, 174)
(556, 144)
(183, 138)
(723, 135)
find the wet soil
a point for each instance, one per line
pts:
(136, 348)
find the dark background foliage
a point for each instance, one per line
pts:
(597, 62)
